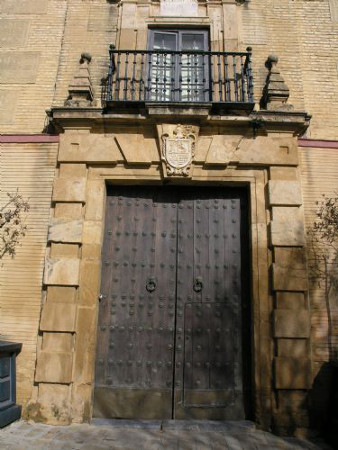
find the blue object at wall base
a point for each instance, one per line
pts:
(9, 415)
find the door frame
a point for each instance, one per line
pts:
(259, 408)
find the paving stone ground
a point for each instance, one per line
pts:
(131, 435)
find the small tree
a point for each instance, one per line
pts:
(12, 223)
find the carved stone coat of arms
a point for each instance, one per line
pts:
(178, 151)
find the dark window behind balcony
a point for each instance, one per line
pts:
(181, 76)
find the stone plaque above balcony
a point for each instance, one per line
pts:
(179, 8)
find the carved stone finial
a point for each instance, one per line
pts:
(80, 90)
(275, 92)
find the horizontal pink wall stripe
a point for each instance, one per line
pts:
(317, 143)
(28, 138)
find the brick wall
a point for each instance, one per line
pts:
(304, 35)
(30, 169)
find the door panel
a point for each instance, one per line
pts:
(211, 295)
(170, 321)
(137, 314)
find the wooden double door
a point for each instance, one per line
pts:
(172, 317)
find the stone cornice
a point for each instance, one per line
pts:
(265, 121)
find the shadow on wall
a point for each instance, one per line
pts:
(323, 270)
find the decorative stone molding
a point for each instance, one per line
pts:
(275, 92)
(80, 90)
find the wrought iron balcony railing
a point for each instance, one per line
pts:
(179, 77)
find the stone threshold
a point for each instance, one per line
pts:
(186, 425)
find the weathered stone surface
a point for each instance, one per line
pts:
(293, 348)
(202, 147)
(58, 317)
(24, 73)
(54, 367)
(291, 324)
(293, 257)
(291, 420)
(290, 300)
(69, 190)
(64, 272)
(267, 151)
(222, 150)
(8, 101)
(91, 251)
(92, 232)
(13, 32)
(287, 279)
(292, 373)
(70, 210)
(90, 148)
(286, 228)
(81, 403)
(70, 170)
(89, 282)
(57, 342)
(23, 7)
(65, 230)
(283, 173)
(136, 149)
(96, 190)
(61, 251)
(284, 193)
(293, 400)
(63, 294)
(53, 402)
(85, 345)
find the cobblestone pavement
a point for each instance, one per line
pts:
(130, 435)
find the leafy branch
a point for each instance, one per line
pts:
(12, 223)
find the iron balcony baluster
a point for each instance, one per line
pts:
(163, 76)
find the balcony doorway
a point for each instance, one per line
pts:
(182, 74)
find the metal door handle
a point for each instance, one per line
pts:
(198, 284)
(151, 284)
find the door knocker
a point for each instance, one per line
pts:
(151, 284)
(198, 285)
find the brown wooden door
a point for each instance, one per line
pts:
(170, 334)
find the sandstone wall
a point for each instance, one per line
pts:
(305, 37)
(31, 35)
(319, 176)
